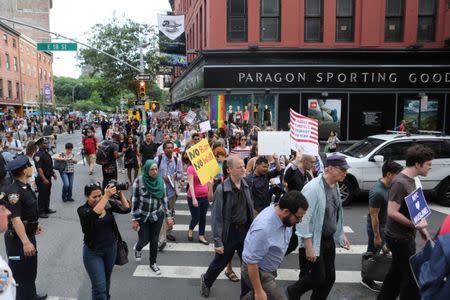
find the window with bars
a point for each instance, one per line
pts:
(270, 20)
(17, 90)
(237, 21)
(1, 88)
(345, 20)
(393, 25)
(313, 20)
(427, 21)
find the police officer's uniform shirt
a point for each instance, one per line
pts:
(22, 201)
(44, 161)
(7, 282)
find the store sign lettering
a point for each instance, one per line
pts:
(364, 77)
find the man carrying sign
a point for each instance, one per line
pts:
(400, 230)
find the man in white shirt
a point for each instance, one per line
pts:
(12, 145)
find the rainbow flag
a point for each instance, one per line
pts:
(217, 110)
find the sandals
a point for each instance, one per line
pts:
(232, 276)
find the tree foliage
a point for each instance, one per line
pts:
(120, 39)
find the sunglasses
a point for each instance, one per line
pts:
(197, 139)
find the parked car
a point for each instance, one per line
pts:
(366, 158)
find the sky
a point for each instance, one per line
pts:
(75, 18)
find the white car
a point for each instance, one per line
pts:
(366, 158)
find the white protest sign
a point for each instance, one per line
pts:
(270, 142)
(304, 134)
(205, 126)
(190, 116)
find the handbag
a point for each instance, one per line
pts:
(59, 165)
(122, 249)
(375, 266)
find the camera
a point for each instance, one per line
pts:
(118, 185)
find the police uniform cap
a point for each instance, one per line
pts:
(41, 140)
(17, 163)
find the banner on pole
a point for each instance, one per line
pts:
(304, 134)
(172, 38)
(203, 160)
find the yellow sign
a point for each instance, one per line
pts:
(203, 160)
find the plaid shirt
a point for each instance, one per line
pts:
(144, 206)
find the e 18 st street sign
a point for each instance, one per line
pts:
(57, 46)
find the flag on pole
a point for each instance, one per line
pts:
(304, 133)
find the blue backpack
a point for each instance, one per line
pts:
(431, 269)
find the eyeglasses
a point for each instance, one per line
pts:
(297, 217)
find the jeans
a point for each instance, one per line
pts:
(234, 242)
(198, 214)
(67, 179)
(149, 233)
(399, 279)
(371, 235)
(318, 276)
(99, 265)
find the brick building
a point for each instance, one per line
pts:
(33, 12)
(359, 66)
(24, 72)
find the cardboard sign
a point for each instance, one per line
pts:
(190, 117)
(417, 206)
(203, 160)
(205, 126)
(270, 142)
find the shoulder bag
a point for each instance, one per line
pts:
(59, 165)
(122, 248)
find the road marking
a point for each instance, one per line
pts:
(197, 247)
(439, 208)
(187, 213)
(195, 272)
(185, 227)
(60, 298)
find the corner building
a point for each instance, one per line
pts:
(360, 67)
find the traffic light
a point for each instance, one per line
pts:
(142, 89)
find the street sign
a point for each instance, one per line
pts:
(143, 77)
(57, 46)
(139, 102)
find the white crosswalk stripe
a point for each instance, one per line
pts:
(197, 247)
(190, 272)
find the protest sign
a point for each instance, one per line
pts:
(270, 142)
(205, 126)
(203, 160)
(190, 117)
(304, 134)
(417, 206)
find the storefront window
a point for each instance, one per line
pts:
(239, 110)
(328, 112)
(421, 114)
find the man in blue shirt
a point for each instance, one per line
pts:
(265, 246)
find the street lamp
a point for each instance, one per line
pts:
(141, 56)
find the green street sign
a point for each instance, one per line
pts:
(57, 46)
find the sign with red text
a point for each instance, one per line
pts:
(304, 134)
(203, 160)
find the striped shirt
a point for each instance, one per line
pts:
(144, 206)
(242, 152)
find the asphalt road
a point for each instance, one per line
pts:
(61, 273)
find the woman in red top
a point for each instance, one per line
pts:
(90, 149)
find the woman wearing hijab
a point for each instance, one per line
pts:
(149, 208)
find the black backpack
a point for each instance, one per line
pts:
(104, 150)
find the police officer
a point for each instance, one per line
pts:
(20, 238)
(44, 166)
(7, 283)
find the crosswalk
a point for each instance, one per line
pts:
(185, 260)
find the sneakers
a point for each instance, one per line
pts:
(371, 285)
(155, 269)
(171, 238)
(204, 290)
(137, 254)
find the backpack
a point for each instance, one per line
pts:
(160, 158)
(104, 153)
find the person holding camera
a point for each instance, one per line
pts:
(149, 208)
(101, 234)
